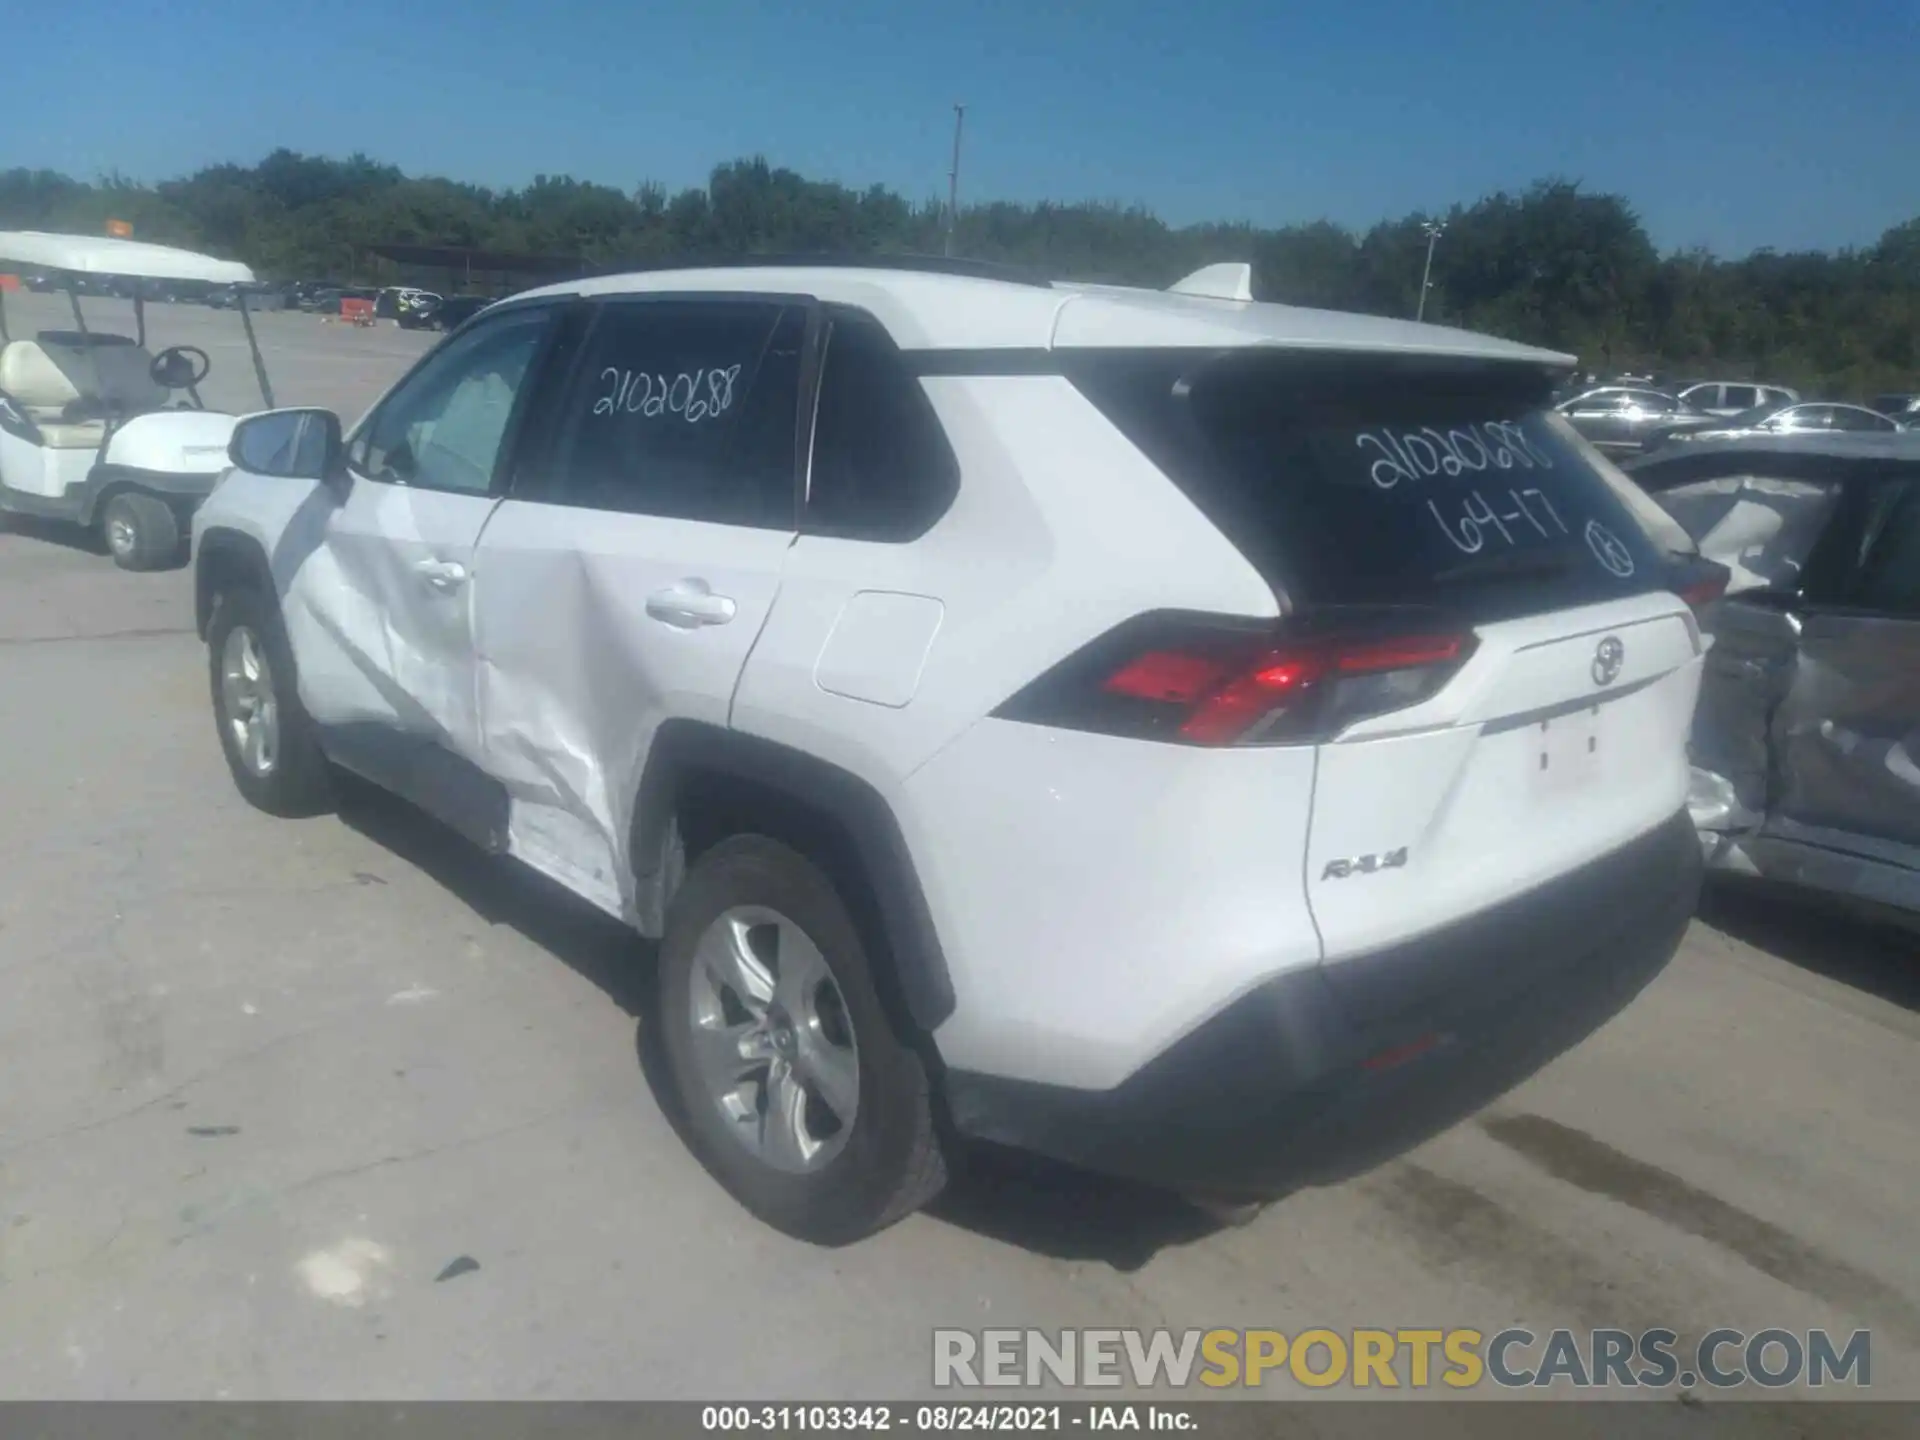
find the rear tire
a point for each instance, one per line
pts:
(795, 1091)
(140, 531)
(272, 750)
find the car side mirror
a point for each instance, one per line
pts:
(291, 445)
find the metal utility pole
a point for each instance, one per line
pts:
(1434, 229)
(953, 177)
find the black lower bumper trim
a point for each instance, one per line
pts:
(1318, 1075)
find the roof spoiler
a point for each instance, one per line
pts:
(1218, 282)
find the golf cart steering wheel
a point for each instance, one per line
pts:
(180, 367)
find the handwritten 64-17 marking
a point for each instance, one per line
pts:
(692, 395)
(1474, 519)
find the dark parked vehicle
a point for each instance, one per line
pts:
(1806, 743)
(1798, 418)
(454, 311)
(1623, 419)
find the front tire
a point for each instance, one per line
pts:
(796, 1092)
(270, 745)
(140, 531)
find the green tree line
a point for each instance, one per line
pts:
(1554, 265)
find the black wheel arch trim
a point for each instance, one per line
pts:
(180, 491)
(222, 550)
(688, 747)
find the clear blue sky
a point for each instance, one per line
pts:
(1730, 123)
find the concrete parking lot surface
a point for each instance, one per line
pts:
(339, 1108)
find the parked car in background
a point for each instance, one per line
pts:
(1806, 744)
(1904, 408)
(1620, 419)
(416, 308)
(1732, 397)
(1803, 417)
(454, 311)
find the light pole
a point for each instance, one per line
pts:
(1434, 229)
(953, 177)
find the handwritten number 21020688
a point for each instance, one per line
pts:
(691, 395)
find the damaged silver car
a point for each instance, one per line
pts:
(1806, 744)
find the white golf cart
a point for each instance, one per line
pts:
(95, 430)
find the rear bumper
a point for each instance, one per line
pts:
(1330, 1070)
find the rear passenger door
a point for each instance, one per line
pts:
(628, 573)
(1847, 739)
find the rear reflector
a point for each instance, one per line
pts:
(1199, 682)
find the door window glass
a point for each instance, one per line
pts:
(686, 409)
(443, 429)
(1890, 578)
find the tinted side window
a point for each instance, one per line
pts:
(1845, 417)
(444, 427)
(1742, 397)
(1890, 578)
(685, 409)
(882, 468)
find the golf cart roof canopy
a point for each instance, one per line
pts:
(102, 255)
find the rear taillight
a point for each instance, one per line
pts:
(1700, 582)
(1199, 682)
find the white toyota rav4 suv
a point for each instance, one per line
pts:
(1210, 742)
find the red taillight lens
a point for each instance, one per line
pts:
(1700, 581)
(1201, 684)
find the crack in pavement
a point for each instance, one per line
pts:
(141, 633)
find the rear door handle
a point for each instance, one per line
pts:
(689, 605)
(442, 575)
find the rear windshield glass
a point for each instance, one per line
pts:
(1369, 481)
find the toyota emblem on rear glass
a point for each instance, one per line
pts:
(1608, 657)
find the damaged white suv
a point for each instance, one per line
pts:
(1211, 742)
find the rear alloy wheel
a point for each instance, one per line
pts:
(796, 1092)
(140, 531)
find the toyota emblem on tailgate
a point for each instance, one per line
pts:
(1608, 657)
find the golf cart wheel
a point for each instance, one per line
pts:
(265, 733)
(793, 1087)
(140, 531)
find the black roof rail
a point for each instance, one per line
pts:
(842, 260)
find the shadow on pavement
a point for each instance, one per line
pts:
(1055, 1210)
(505, 892)
(53, 532)
(1017, 1199)
(1820, 935)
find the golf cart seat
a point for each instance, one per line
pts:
(69, 384)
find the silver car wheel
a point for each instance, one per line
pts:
(251, 713)
(772, 1039)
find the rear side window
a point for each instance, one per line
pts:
(882, 468)
(1761, 529)
(1744, 397)
(1890, 577)
(685, 410)
(1363, 480)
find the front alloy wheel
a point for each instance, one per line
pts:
(248, 706)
